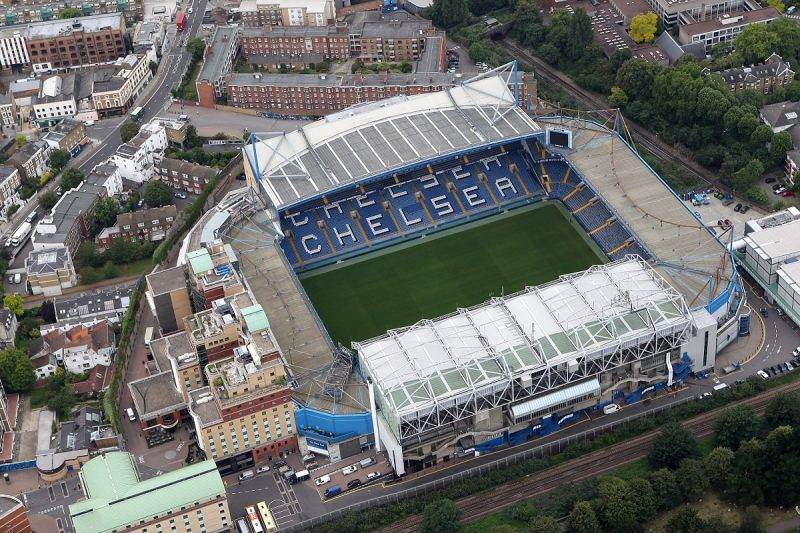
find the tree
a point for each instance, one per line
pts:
(618, 97)
(616, 508)
(69, 13)
(761, 136)
(665, 488)
(440, 516)
(777, 4)
(62, 403)
(21, 139)
(755, 43)
(48, 199)
(748, 175)
(157, 193)
(643, 27)
(783, 409)
(716, 466)
(58, 159)
(693, 481)
(448, 13)
(192, 140)
(636, 77)
(781, 143)
(128, 131)
(752, 520)
(133, 201)
(544, 524)
(16, 370)
(644, 497)
(671, 446)
(583, 519)
(105, 212)
(71, 178)
(153, 66)
(712, 104)
(528, 26)
(14, 303)
(686, 520)
(735, 425)
(196, 47)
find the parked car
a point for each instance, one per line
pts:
(333, 491)
(262, 469)
(279, 463)
(349, 469)
(765, 313)
(353, 483)
(788, 194)
(247, 474)
(373, 475)
(738, 208)
(610, 408)
(369, 461)
(322, 480)
(763, 374)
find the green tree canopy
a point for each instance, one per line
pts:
(693, 482)
(618, 97)
(665, 488)
(69, 13)
(783, 409)
(105, 212)
(71, 178)
(16, 370)
(441, 516)
(58, 159)
(643, 27)
(686, 520)
(671, 446)
(157, 194)
(544, 524)
(616, 507)
(14, 303)
(48, 199)
(717, 465)
(755, 43)
(196, 47)
(128, 131)
(528, 26)
(21, 139)
(735, 425)
(583, 519)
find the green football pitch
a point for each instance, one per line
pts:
(430, 277)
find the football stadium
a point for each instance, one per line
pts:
(446, 274)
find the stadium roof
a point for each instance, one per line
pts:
(373, 139)
(482, 348)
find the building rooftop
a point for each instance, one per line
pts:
(781, 114)
(47, 261)
(86, 304)
(204, 406)
(774, 65)
(156, 395)
(778, 243)
(147, 216)
(28, 151)
(217, 52)
(7, 503)
(187, 167)
(60, 27)
(390, 79)
(395, 29)
(736, 18)
(372, 139)
(484, 347)
(289, 31)
(71, 206)
(167, 280)
(178, 347)
(116, 497)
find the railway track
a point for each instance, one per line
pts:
(587, 466)
(643, 138)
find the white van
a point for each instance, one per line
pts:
(247, 474)
(610, 408)
(366, 462)
(720, 387)
(148, 336)
(17, 278)
(131, 416)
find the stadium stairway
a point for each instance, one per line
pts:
(622, 246)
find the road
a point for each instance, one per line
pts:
(644, 139)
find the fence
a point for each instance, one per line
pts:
(543, 450)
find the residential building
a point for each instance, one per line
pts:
(673, 12)
(106, 175)
(32, 159)
(287, 12)
(401, 37)
(135, 158)
(627, 9)
(10, 179)
(68, 223)
(78, 42)
(116, 89)
(184, 175)
(774, 72)
(75, 442)
(56, 99)
(13, 515)
(217, 63)
(88, 308)
(178, 353)
(316, 95)
(78, 349)
(301, 45)
(68, 135)
(13, 49)
(8, 328)
(148, 35)
(145, 225)
(8, 115)
(213, 273)
(246, 416)
(168, 298)
(19, 14)
(785, 116)
(725, 27)
(49, 271)
(9, 410)
(191, 498)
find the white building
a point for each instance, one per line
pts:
(13, 50)
(56, 99)
(114, 94)
(135, 158)
(7, 115)
(9, 183)
(78, 349)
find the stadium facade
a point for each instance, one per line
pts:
(514, 367)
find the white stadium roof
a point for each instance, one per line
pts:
(371, 139)
(477, 350)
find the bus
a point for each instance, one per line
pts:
(266, 517)
(242, 526)
(180, 20)
(254, 521)
(136, 114)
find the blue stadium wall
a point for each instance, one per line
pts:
(329, 427)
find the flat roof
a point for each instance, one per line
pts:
(223, 40)
(116, 497)
(391, 79)
(56, 27)
(475, 350)
(777, 242)
(730, 19)
(373, 139)
(167, 280)
(156, 395)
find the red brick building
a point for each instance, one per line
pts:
(326, 42)
(76, 42)
(13, 516)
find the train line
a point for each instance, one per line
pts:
(645, 139)
(587, 466)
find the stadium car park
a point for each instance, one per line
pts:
(500, 367)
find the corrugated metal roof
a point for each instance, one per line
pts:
(200, 260)
(255, 318)
(555, 398)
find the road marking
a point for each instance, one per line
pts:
(64, 489)
(51, 494)
(141, 459)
